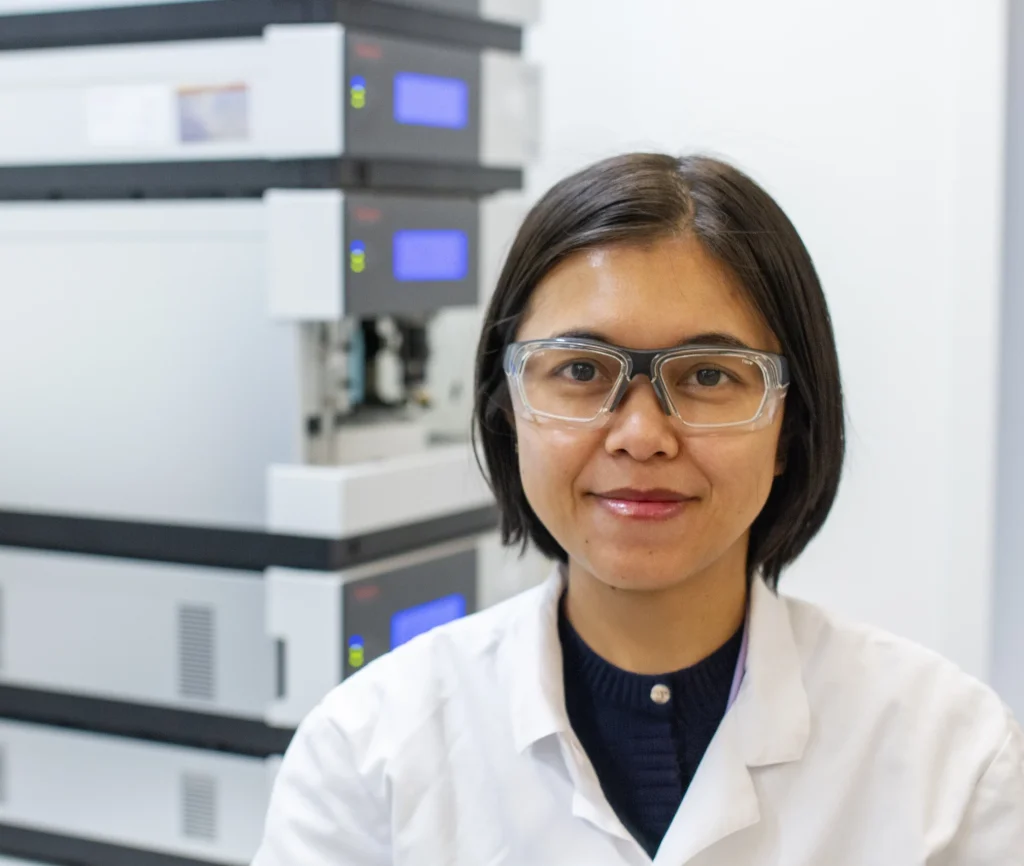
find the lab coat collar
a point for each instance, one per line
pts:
(772, 711)
(769, 723)
(536, 685)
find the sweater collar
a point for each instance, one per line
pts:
(705, 684)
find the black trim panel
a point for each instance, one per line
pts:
(244, 178)
(166, 725)
(230, 548)
(219, 19)
(70, 851)
(411, 176)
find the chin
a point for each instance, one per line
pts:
(640, 568)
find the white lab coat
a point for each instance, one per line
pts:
(845, 747)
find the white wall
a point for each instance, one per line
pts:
(879, 127)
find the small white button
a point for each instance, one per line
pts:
(661, 694)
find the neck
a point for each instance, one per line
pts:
(664, 630)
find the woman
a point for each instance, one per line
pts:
(660, 411)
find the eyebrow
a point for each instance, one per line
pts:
(710, 338)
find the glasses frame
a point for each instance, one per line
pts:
(649, 363)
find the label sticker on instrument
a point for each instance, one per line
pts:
(137, 115)
(208, 114)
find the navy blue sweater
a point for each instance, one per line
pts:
(645, 735)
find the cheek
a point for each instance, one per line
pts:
(550, 461)
(740, 470)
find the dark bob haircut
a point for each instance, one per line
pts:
(641, 198)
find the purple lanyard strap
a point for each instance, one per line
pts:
(741, 663)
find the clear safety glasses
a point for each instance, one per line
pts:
(580, 382)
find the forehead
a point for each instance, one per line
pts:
(644, 297)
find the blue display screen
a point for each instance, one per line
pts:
(430, 255)
(414, 621)
(430, 100)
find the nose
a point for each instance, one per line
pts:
(639, 425)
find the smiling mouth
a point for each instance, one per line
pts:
(636, 504)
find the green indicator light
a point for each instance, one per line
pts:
(357, 257)
(357, 92)
(356, 653)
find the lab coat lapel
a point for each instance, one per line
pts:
(721, 801)
(768, 724)
(531, 666)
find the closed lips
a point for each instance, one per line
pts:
(629, 494)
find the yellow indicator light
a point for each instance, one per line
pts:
(356, 656)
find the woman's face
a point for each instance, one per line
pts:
(646, 297)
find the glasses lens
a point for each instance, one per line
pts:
(715, 389)
(569, 383)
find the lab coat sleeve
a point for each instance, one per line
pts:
(321, 810)
(992, 831)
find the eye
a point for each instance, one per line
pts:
(708, 377)
(581, 371)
